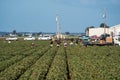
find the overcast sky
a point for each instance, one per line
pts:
(40, 15)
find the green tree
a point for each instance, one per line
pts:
(39, 33)
(87, 29)
(67, 33)
(102, 25)
(19, 34)
(14, 32)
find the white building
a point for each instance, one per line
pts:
(97, 31)
(114, 30)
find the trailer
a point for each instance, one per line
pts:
(98, 42)
(102, 41)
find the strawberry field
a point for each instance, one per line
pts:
(21, 61)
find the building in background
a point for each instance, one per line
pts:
(97, 31)
(112, 31)
(115, 30)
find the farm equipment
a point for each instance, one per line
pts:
(107, 41)
(103, 40)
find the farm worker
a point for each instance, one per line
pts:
(9, 42)
(58, 43)
(32, 44)
(76, 41)
(71, 43)
(51, 43)
(65, 44)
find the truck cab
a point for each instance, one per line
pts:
(85, 40)
(116, 40)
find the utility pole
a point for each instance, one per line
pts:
(104, 16)
(58, 28)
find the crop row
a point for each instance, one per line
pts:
(58, 70)
(93, 63)
(39, 70)
(10, 54)
(14, 71)
(13, 49)
(10, 50)
(40, 62)
(18, 55)
(5, 64)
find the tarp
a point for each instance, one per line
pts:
(94, 37)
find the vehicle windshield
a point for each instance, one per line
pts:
(46, 36)
(119, 39)
(29, 36)
(12, 36)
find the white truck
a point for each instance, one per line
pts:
(12, 38)
(29, 38)
(44, 37)
(116, 40)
